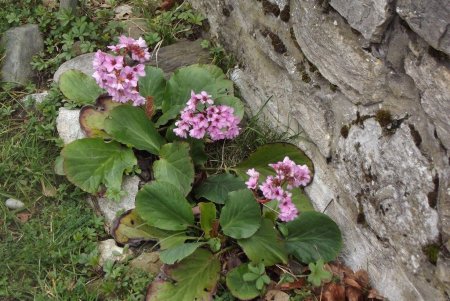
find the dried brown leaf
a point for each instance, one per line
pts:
(292, 285)
(333, 292)
(23, 217)
(275, 295)
(353, 294)
(167, 4)
(149, 107)
(373, 294)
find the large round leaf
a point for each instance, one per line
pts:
(272, 153)
(79, 87)
(244, 290)
(233, 102)
(130, 125)
(162, 205)
(153, 84)
(90, 162)
(92, 118)
(313, 236)
(175, 166)
(265, 245)
(129, 228)
(216, 188)
(196, 277)
(241, 216)
(179, 252)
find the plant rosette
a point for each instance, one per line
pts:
(256, 211)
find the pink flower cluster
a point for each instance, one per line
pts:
(201, 117)
(287, 173)
(113, 74)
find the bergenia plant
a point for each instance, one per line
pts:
(238, 229)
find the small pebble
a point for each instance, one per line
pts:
(14, 204)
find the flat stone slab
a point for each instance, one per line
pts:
(20, 44)
(82, 63)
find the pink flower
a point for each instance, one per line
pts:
(287, 174)
(216, 121)
(252, 182)
(119, 79)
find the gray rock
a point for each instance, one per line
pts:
(148, 262)
(135, 27)
(82, 63)
(337, 54)
(70, 5)
(369, 17)
(110, 209)
(68, 125)
(429, 19)
(35, 98)
(443, 272)
(168, 58)
(20, 44)
(180, 54)
(108, 250)
(435, 90)
(14, 204)
(321, 76)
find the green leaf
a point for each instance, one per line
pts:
(301, 200)
(90, 162)
(92, 117)
(207, 217)
(318, 273)
(233, 102)
(265, 245)
(153, 84)
(177, 253)
(175, 166)
(216, 188)
(59, 166)
(196, 277)
(259, 283)
(162, 205)
(241, 216)
(129, 125)
(250, 277)
(174, 240)
(197, 146)
(238, 286)
(79, 87)
(272, 153)
(130, 229)
(169, 114)
(313, 236)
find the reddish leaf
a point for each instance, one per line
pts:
(23, 217)
(333, 292)
(149, 107)
(292, 285)
(167, 4)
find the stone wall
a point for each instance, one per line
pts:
(367, 82)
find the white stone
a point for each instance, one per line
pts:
(68, 125)
(108, 250)
(14, 204)
(81, 63)
(109, 209)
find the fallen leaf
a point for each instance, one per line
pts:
(373, 294)
(48, 190)
(353, 294)
(275, 295)
(353, 283)
(167, 4)
(333, 292)
(123, 12)
(292, 285)
(23, 217)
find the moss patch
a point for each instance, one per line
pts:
(384, 117)
(432, 252)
